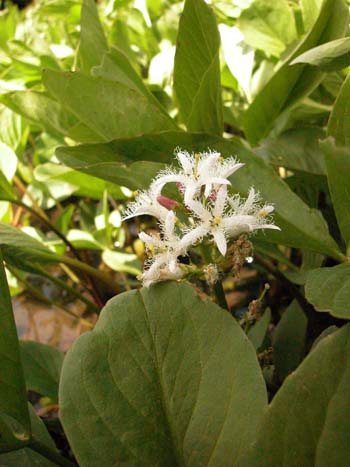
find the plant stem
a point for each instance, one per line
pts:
(44, 219)
(69, 289)
(50, 454)
(220, 295)
(90, 270)
(35, 293)
(218, 288)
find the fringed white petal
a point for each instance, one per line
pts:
(220, 241)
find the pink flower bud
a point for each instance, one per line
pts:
(180, 186)
(213, 195)
(167, 203)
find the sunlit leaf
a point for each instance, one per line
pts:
(197, 68)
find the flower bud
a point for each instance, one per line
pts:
(167, 203)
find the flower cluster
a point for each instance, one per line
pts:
(210, 212)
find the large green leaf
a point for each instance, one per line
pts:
(93, 43)
(289, 84)
(119, 111)
(338, 173)
(289, 340)
(26, 457)
(115, 66)
(164, 379)
(197, 68)
(120, 161)
(15, 429)
(296, 149)
(49, 115)
(42, 366)
(268, 25)
(328, 289)
(331, 56)
(339, 121)
(308, 422)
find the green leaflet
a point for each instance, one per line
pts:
(339, 122)
(257, 333)
(328, 289)
(93, 43)
(26, 457)
(21, 249)
(197, 69)
(42, 367)
(289, 84)
(289, 340)
(308, 422)
(333, 55)
(15, 429)
(338, 174)
(49, 115)
(119, 111)
(164, 379)
(268, 25)
(296, 149)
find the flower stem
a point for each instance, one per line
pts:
(220, 295)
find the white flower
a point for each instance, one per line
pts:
(146, 203)
(228, 218)
(205, 169)
(167, 249)
(210, 212)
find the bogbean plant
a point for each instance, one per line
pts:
(226, 170)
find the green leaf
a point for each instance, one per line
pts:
(268, 25)
(338, 173)
(290, 84)
(310, 10)
(326, 332)
(296, 149)
(125, 262)
(308, 422)
(21, 249)
(332, 56)
(131, 162)
(26, 457)
(49, 115)
(120, 161)
(258, 332)
(289, 340)
(12, 128)
(8, 161)
(119, 111)
(116, 67)
(42, 366)
(192, 377)
(328, 289)
(339, 121)
(15, 427)
(93, 43)
(6, 191)
(81, 239)
(197, 69)
(62, 182)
